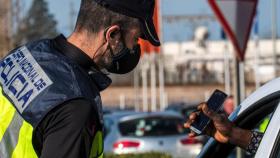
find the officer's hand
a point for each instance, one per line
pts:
(220, 127)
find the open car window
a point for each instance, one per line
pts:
(260, 127)
(252, 118)
(270, 145)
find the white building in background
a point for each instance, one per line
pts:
(189, 62)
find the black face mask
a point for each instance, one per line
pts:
(125, 60)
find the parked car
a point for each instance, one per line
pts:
(185, 109)
(139, 132)
(263, 104)
(115, 108)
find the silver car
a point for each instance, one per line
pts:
(133, 132)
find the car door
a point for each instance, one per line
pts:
(276, 149)
(270, 144)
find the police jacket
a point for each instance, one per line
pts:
(50, 102)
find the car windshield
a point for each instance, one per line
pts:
(152, 126)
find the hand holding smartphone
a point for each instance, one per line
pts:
(215, 103)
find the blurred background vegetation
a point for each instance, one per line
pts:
(38, 23)
(18, 28)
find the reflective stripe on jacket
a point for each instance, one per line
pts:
(15, 133)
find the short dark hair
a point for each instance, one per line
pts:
(92, 17)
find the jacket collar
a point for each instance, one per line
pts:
(75, 54)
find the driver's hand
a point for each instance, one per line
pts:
(220, 127)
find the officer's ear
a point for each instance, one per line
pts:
(113, 35)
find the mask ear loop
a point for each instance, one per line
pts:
(104, 34)
(91, 72)
(111, 51)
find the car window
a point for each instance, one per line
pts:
(152, 126)
(260, 127)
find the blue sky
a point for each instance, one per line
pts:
(180, 31)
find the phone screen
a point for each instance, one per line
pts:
(215, 103)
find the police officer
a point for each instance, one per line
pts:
(49, 98)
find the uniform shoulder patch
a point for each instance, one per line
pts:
(22, 78)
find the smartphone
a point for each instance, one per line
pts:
(215, 103)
